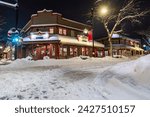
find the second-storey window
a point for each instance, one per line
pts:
(62, 31)
(51, 30)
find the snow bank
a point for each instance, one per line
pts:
(138, 69)
(75, 78)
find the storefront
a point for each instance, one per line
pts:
(122, 46)
(50, 34)
(58, 47)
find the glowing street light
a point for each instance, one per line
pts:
(103, 10)
(85, 31)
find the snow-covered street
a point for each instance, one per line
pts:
(93, 78)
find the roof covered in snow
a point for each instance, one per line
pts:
(64, 40)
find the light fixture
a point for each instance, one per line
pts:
(85, 31)
(103, 10)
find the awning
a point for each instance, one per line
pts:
(66, 40)
(123, 46)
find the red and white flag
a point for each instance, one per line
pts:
(90, 36)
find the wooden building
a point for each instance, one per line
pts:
(1, 49)
(122, 45)
(49, 34)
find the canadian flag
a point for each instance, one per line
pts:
(90, 36)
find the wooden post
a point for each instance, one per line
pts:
(73, 50)
(57, 48)
(108, 53)
(46, 50)
(103, 51)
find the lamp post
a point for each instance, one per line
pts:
(92, 22)
(17, 14)
(103, 10)
(14, 6)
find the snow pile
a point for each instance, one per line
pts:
(1, 62)
(28, 58)
(5, 61)
(75, 78)
(139, 70)
(46, 58)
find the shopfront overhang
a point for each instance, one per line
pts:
(64, 40)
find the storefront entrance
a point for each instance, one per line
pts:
(57, 51)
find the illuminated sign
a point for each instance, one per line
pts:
(39, 35)
(82, 38)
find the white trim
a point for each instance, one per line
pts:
(57, 14)
(44, 11)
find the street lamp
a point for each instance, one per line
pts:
(85, 31)
(92, 22)
(103, 11)
(14, 6)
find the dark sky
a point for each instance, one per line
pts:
(72, 9)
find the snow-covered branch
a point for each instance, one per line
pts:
(134, 16)
(118, 31)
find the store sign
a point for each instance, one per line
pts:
(39, 35)
(82, 38)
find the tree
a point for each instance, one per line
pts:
(130, 11)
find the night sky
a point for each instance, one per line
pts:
(72, 9)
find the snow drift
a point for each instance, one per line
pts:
(92, 78)
(138, 69)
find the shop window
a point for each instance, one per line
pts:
(71, 51)
(42, 52)
(83, 51)
(53, 50)
(51, 30)
(60, 51)
(34, 52)
(87, 51)
(75, 51)
(65, 51)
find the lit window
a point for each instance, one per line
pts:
(64, 32)
(60, 31)
(51, 30)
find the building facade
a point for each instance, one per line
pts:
(49, 34)
(122, 46)
(1, 49)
